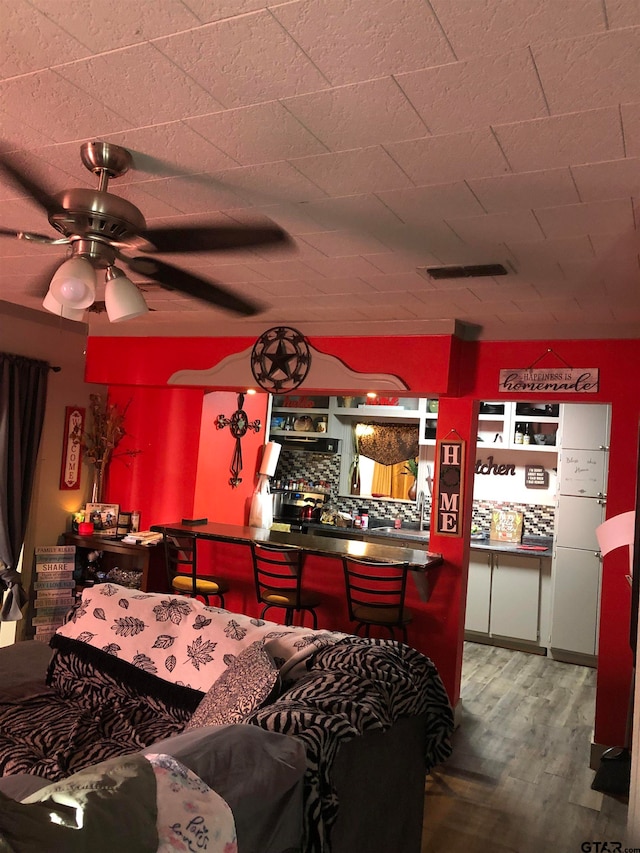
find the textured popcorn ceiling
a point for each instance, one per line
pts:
(383, 135)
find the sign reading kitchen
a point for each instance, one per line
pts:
(558, 380)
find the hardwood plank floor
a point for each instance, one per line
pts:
(519, 779)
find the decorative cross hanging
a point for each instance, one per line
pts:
(238, 423)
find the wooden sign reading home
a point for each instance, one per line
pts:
(450, 457)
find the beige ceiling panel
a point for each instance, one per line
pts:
(365, 39)
(589, 72)
(623, 13)
(118, 23)
(36, 41)
(449, 158)
(258, 134)
(515, 225)
(443, 201)
(118, 78)
(266, 63)
(358, 115)
(507, 24)
(525, 190)
(69, 114)
(492, 89)
(353, 172)
(600, 181)
(594, 217)
(564, 140)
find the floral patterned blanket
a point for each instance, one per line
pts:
(179, 639)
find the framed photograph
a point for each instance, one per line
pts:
(104, 518)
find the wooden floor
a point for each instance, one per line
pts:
(519, 777)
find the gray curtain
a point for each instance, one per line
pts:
(23, 392)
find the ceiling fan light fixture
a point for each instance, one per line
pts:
(74, 283)
(51, 304)
(122, 298)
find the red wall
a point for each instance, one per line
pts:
(166, 480)
(214, 497)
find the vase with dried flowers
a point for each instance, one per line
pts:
(104, 433)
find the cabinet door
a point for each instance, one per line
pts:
(582, 472)
(576, 522)
(478, 593)
(584, 425)
(576, 596)
(515, 597)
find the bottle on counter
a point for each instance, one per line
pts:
(519, 435)
(364, 519)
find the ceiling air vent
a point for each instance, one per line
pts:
(472, 271)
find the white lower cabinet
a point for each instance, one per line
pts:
(515, 597)
(503, 596)
(576, 601)
(478, 593)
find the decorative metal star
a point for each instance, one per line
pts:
(238, 423)
(280, 359)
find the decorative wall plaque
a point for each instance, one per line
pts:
(280, 359)
(450, 459)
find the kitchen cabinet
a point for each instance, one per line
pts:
(497, 424)
(574, 621)
(585, 425)
(580, 509)
(504, 596)
(515, 597)
(478, 592)
(306, 414)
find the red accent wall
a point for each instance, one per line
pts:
(166, 481)
(214, 497)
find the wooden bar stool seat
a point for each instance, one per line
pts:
(182, 570)
(278, 580)
(375, 595)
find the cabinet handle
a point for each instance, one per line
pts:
(603, 447)
(602, 502)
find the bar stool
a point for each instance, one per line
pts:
(182, 570)
(376, 593)
(278, 579)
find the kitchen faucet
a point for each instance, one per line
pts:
(420, 505)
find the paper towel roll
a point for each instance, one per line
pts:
(270, 458)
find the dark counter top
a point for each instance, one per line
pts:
(419, 559)
(420, 539)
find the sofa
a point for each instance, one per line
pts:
(317, 741)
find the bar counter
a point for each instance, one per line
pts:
(419, 560)
(224, 550)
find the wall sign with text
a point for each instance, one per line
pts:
(450, 458)
(71, 449)
(557, 380)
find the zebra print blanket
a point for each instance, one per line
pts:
(91, 713)
(356, 686)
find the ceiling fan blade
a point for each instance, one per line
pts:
(31, 236)
(174, 278)
(35, 190)
(213, 238)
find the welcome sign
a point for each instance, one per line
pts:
(558, 380)
(450, 457)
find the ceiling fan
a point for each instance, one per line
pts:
(101, 229)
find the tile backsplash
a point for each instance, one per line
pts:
(538, 519)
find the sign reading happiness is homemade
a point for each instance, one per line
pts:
(558, 380)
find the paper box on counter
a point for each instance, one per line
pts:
(506, 526)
